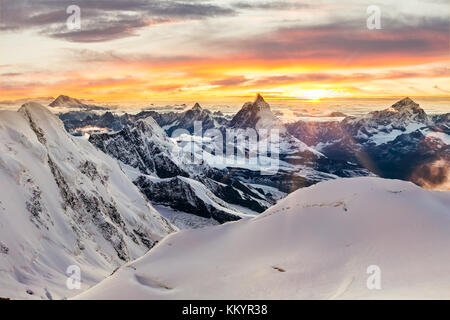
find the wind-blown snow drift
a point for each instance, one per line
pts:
(317, 243)
(63, 203)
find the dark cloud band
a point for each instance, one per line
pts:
(101, 20)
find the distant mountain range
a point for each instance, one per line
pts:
(400, 142)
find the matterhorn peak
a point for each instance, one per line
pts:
(260, 103)
(405, 103)
(401, 113)
(259, 97)
(197, 107)
(253, 115)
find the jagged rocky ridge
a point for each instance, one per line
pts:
(74, 121)
(209, 193)
(63, 203)
(398, 142)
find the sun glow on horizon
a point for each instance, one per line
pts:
(181, 56)
(315, 95)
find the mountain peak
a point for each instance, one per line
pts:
(197, 107)
(149, 124)
(260, 103)
(259, 97)
(65, 100)
(255, 115)
(405, 103)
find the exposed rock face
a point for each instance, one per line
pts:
(312, 133)
(64, 203)
(309, 151)
(405, 115)
(183, 196)
(145, 146)
(236, 192)
(75, 121)
(255, 115)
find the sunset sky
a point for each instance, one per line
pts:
(176, 51)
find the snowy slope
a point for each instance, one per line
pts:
(317, 243)
(62, 203)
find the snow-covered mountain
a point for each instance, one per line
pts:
(67, 201)
(258, 116)
(375, 128)
(442, 122)
(78, 123)
(378, 127)
(66, 102)
(400, 142)
(63, 203)
(328, 241)
(144, 145)
(189, 195)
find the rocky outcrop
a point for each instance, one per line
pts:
(188, 196)
(144, 146)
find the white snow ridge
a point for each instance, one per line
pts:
(318, 243)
